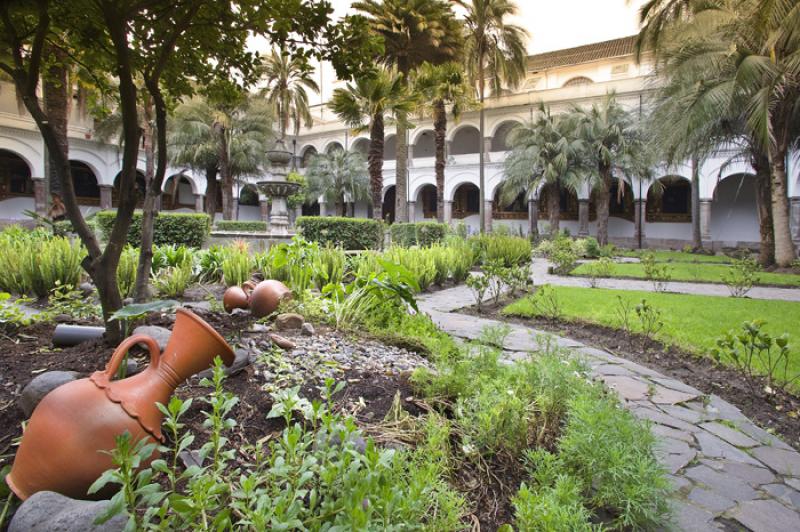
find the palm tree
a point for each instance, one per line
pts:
(231, 141)
(749, 51)
(364, 105)
(288, 79)
(546, 153)
(494, 51)
(612, 145)
(442, 86)
(413, 32)
(337, 176)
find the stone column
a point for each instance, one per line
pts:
(236, 208)
(795, 218)
(412, 214)
(639, 211)
(298, 212)
(279, 216)
(105, 196)
(198, 202)
(448, 150)
(533, 218)
(448, 211)
(487, 212)
(705, 220)
(410, 156)
(487, 149)
(583, 217)
(39, 196)
(263, 203)
(323, 208)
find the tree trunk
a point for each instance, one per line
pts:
(697, 238)
(439, 133)
(482, 155)
(784, 247)
(211, 191)
(766, 254)
(340, 207)
(602, 200)
(375, 161)
(224, 170)
(401, 173)
(554, 208)
(55, 89)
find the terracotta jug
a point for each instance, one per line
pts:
(61, 448)
(266, 297)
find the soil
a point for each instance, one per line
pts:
(777, 412)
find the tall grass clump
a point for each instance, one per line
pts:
(236, 266)
(328, 265)
(419, 261)
(511, 250)
(126, 271)
(35, 262)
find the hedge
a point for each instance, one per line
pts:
(170, 228)
(418, 234)
(349, 233)
(236, 226)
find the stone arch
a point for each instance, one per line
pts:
(516, 210)
(15, 175)
(389, 198)
(306, 153)
(669, 199)
(465, 140)
(248, 195)
(577, 81)
(390, 148)
(140, 187)
(361, 145)
(333, 145)
(425, 199)
(466, 200)
(85, 183)
(734, 214)
(425, 144)
(500, 134)
(567, 202)
(178, 193)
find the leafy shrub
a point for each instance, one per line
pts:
(417, 234)
(655, 272)
(190, 229)
(740, 276)
(546, 303)
(126, 271)
(347, 233)
(35, 262)
(512, 250)
(241, 226)
(65, 299)
(516, 278)
(173, 281)
(291, 263)
(649, 319)
(419, 261)
(328, 265)
(556, 507)
(171, 256)
(236, 266)
(591, 247)
(479, 284)
(12, 317)
(209, 264)
(755, 352)
(600, 269)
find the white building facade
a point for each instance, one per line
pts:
(560, 79)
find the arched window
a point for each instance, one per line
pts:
(567, 203)
(389, 199)
(390, 148)
(517, 210)
(427, 200)
(425, 146)
(305, 158)
(500, 138)
(580, 80)
(15, 175)
(466, 140)
(466, 201)
(84, 183)
(670, 201)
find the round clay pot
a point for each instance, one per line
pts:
(65, 445)
(266, 297)
(234, 297)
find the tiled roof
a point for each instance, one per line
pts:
(582, 54)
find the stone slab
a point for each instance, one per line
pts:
(730, 435)
(766, 516)
(714, 447)
(781, 461)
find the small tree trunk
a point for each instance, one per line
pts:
(554, 206)
(784, 247)
(439, 133)
(766, 254)
(482, 155)
(211, 191)
(401, 174)
(225, 172)
(697, 238)
(375, 161)
(55, 90)
(603, 197)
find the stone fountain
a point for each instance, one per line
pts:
(278, 189)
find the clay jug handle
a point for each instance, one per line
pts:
(122, 349)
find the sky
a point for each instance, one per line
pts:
(552, 24)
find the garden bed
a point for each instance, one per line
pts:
(777, 412)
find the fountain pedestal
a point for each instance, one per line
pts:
(278, 189)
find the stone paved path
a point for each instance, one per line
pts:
(728, 473)
(540, 276)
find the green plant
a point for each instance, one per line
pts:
(64, 299)
(295, 262)
(479, 284)
(241, 226)
(552, 507)
(741, 276)
(546, 303)
(126, 271)
(609, 250)
(347, 233)
(591, 247)
(419, 261)
(209, 264)
(600, 269)
(189, 228)
(624, 313)
(422, 234)
(173, 281)
(650, 319)
(171, 256)
(12, 317)
(328, 265)
(511, 250)
(753, 352)
(236, 266)
(494, 271)
(656, 272)
(516, 278)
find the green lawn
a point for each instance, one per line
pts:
(676, 256)
(683, 271)
(691, 322)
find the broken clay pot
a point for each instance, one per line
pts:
(266, 297)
